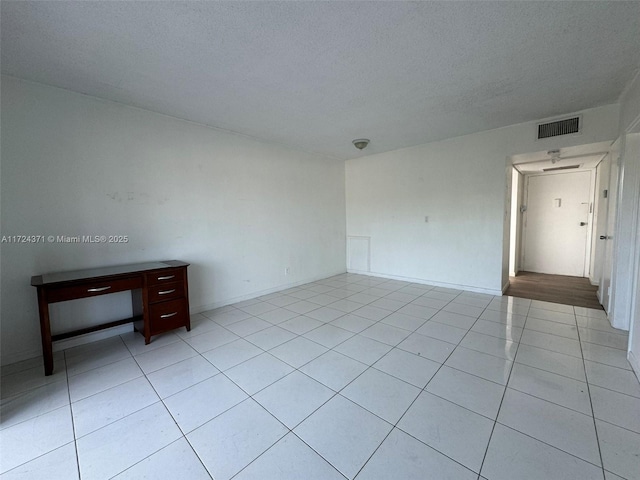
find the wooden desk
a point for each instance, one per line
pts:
(159, 294)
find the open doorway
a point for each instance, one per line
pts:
(553, 225)
(517, 184)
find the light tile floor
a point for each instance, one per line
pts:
(348, 377)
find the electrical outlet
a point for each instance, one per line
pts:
(286, 270)
(426, 219)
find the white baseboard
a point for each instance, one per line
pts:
(21, 356)
(505, 286)
(60, 345)
(249, 296)
(635, 363)
(468, 288)
(599, 299)
(91, 337)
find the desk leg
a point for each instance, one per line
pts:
(45, 332)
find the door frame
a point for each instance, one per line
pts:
(604, 292)
(624, 247)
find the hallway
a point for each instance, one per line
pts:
(575, 291)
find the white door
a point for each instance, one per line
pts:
(612, 204)
(556, 223)
(633, 149)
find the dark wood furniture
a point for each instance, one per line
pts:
(160, 298)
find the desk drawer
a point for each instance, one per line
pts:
(92, 289)
(166, 276)
(168, 315)
(166, 291)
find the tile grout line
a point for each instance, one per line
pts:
(336, 393)
(371, 366)
(290, 430)
(331, 349)
(251, 396)
(220, 372)
(550, 445)
(415, 399)
(593, 414)
(549, 401)
(145, 374)
(504, 393)
(347, 399)
(74, 441)
(73, 423)
(618, 426)
(554, 403)
(160, 400)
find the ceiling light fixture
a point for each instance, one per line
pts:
(361, 143)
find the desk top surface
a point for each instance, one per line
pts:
(90, 273)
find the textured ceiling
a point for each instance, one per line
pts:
(315, 75)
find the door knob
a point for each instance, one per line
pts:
(582, 224)
(603, 237)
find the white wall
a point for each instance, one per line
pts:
(519, 222)
(629, 233)
(630, 104)
(624, 246)
(514, 257)
(238, 209)
(634, 333)
(463, 186)
(516, 218)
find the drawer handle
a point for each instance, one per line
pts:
(169, 315)
(166, 292)
(168, 277)
(100, 289)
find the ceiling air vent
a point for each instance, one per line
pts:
(560, 127)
